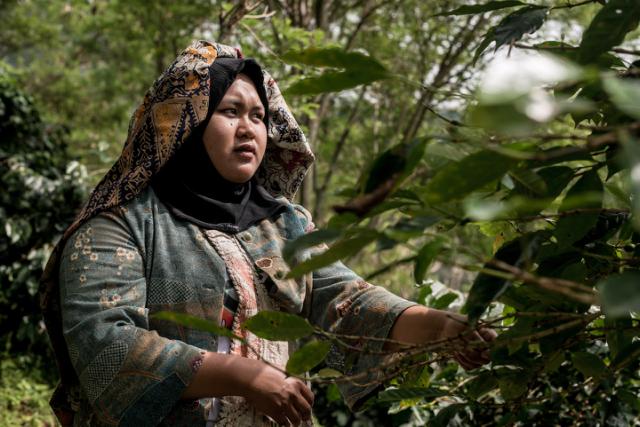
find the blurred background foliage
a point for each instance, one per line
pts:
(511, 177)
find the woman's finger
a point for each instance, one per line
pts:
(306, 392)
(302, 406)
(464, 361)
(488, 334)
(292, 413)
(279, 418)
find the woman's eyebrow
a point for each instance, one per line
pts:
(236, 102)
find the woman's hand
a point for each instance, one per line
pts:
(285, 400)
(471, 353)
(419, 325)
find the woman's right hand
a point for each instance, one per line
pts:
(286, 400)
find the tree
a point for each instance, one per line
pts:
(529, 186)
(547, 166)
(42, 189)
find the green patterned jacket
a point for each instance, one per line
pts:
(123, 265)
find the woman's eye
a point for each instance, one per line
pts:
(229, 111)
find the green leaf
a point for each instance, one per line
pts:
(425, 257)
(306, 241)
(406, 229)
(444, 301)
(523, 21)
(556, 178)
(588, 364)
(484, 44)
(625, 95)
(632, 153)
(194, 323)
(619, 334)
(487, 288)
(620, 294)
(513, 384)
(333, 81)
(608, 29)
(513, 26)
(531, 180)
(565, 50)
(398, 394)
(356, 68)
(445, 415)
(341, 249)
(553, 361)
(480, 8)
(400, 159)
(333, 57)
(481, 385)
(327, 373)
(457, 179)
(627, 355)
(570, 229)
(278, 326)
(308, 357)
(333, 393)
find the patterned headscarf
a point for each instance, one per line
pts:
(174, 106)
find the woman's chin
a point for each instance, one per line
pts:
(240, 176)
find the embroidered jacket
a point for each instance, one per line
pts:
(123, 265)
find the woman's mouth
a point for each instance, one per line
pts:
(245, 151)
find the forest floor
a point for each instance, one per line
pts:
(24, 395)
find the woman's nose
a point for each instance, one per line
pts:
(246, 127)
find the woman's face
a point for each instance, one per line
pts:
(236, 137)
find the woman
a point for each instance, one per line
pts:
(192, 218)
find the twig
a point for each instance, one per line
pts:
(571, 5)
(573, 48)
(262, 44)
(552, 331)
(441, 117)
(574, 290)
(566, 213)
(261, 16)
(390, 266)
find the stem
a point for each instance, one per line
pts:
(571, 5)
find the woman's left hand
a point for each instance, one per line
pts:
(470, 346)
(451, 331)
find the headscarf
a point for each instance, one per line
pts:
(175, 105)
(190, 185)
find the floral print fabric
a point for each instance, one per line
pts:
(108, 318)
(172, 108)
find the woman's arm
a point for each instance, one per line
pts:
(419, 324)
(129, 373)
(264, 387)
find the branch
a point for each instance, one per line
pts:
(228, 20)
(389, 267)
(320, 192)
(566, 213)
(552, 331)
(574, 290)
(615, 49)
(571, 5)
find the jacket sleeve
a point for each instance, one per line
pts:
(344, 303)
(129, 374)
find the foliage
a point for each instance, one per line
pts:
(24, 394)
(563, 291)
(528, 184)
(42, 189)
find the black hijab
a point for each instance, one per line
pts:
(193, 189)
